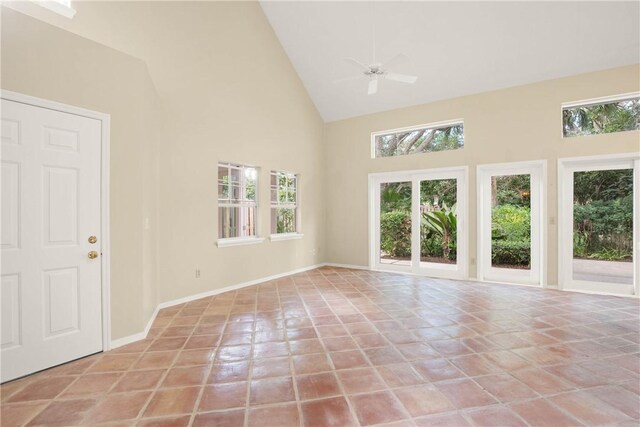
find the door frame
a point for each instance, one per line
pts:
(484, 234)
(105, 258)
(566, 166)
(461, 174)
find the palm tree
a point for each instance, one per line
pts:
(444, 223)
(602, 118)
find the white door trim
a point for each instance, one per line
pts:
(566, 166)
(105, 258)
(461, 174)
(484, 234)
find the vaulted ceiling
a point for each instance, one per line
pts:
(455, 48)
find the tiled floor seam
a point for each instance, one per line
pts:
(194, 412)
(326, 352)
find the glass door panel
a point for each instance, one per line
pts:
(511, 221)
(439, 221)
(603, 227)
(395, 224)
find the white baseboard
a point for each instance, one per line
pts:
(129, 338)
(142, 335)
(352, 266)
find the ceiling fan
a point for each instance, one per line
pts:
(376, 71)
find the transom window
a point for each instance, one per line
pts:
(284, 202)
(237, 200)
(596, 117)
(419, 139)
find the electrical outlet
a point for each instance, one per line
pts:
(197, 273)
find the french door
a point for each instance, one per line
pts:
(418, 222)
(598, 224)
(51, 291)
(511, 222)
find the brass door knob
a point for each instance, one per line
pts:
(92, 239)
(92, 255)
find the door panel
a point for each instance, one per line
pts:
(11, 319)
(395, 224)
(438, 231)
(11, 205)
(603, 226)
(598, 217)
(61, 301)
(51, 291)
(60, 189)
(511, 223)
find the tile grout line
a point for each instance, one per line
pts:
(213, 361)
(247, 403)
(292, 368)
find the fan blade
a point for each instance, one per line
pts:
(404, 78)
(398, 59)
(348, 79)
(373, 87)
(357, 63)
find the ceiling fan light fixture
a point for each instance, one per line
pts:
(377, 70)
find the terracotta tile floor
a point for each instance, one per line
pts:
(340, 347)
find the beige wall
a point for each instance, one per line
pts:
(226, 91)
(247, 106)
(516, 124)
(43, 61)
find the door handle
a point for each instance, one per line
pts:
(92, 255)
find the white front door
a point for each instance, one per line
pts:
(511, 222)
(50, 289)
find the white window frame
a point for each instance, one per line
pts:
(277, 204)
(460, 270)
(61, 7)
(566, 167)
(536, 276)
(589, 102)
(243, 203)
(436, 125)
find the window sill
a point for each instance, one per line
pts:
(239, 241)
(286, 236)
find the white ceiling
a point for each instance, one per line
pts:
(455, 48)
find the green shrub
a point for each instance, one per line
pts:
(510, 222)
(431, 245)
(511, 252)
(395, 233)
(603, 226)
(612, 254)
(580, 243)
